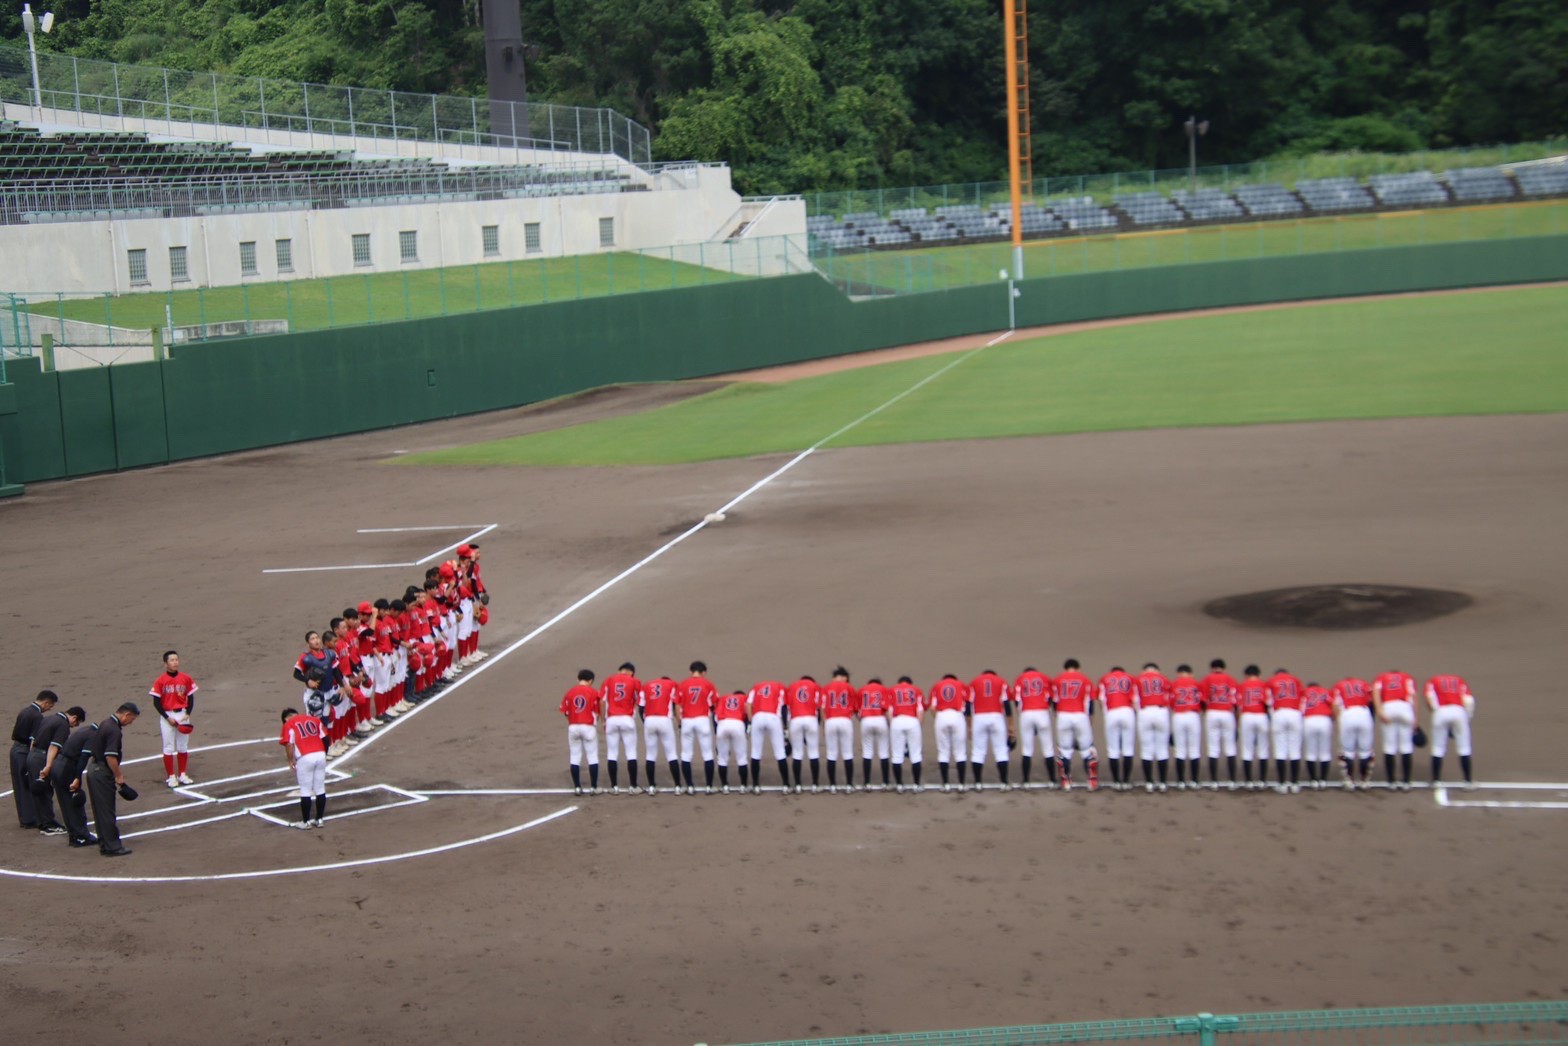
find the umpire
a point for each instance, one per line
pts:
(21, 745)
(48, 741)
(66, 777)
(107, 747)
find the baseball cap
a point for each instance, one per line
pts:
(365, 607)
(465, 551)
(447, 571)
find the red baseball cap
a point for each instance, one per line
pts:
(465, 551)
(366, 607)
(447, 570)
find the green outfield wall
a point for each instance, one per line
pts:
(217, 397)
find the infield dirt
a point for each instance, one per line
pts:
(665, 919)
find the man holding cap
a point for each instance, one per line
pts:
(65, 774)
(53, 731)
(173, 696)
(27, 722)
(106, 776)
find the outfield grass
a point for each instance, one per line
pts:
(936, 268)
(381, 296)
(1483, 353)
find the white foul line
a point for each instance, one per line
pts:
(347, 566)
(472, 673)
(272, 872)
(479, 533)
(411, 530)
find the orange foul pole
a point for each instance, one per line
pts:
(1020, 162)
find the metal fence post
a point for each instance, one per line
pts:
(168, 112)
(76, 82)
(261, 94)
(215, 120)
(119, 106)
(305, 92)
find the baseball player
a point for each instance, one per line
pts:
(65, 775)
(874, 704)
(1117, 697)
(1353, 701)
(1186, 725)
(580, 706)
(1073, 694)
(173, 696)
(1453, 706)
(1154, 724)
(27, 722)
(729, 738)
(1394, 704)
(1252, 702)
(54, 730)
(840, 701)
(1219, 720)
(803, 702)
(318, 661)
(304, 740)
(658, 728)
(695, 699)
(991, 724)
(1285, 698)
(908, 705)
(1032, 692)
(622, 696)
(764, 704)
(950, 699)
(1317, 734)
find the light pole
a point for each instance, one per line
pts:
(46, 23)
(1195, 129)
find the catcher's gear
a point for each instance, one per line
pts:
(1419, 738)
(185, 728)
(128, 793)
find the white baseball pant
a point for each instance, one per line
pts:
(311, 773)
(1121, 728)
(1399, 728)
(173, 740)
(620, 730)
(1287, 733)
(1317, 738)
(988, 731)
(582, 743)
(696, 735)
(1073, 730)
(839, 738)
(465, 620)
(658, 736)
(1355, 732)
(1035, 724)
(1187, 733)
(951, 732)
(805, 734)
(1254, 735)
(730, 740)
(1154, 733)
(766, 727)
(1220, 728)
(1446, 719)
(905, 738)
(874, 738)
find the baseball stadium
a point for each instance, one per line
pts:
(1233, 487)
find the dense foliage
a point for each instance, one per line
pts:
(855, 93)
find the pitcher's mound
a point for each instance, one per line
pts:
(1338, 606)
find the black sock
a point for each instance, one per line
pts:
(816, 772)
(1181, 771)
(724, 775)
(797, 774)
(783, 774)
(1148, 771)
(942, 768)
(1001, 771)
(651, 765)
(1464, 765)
(631, 771)
(885, 765)
(577, 776)
(1404, 764)
(744, 778)
(1126, 769)
(898, 773)
(1230, 766)
(321, 806)
(849, 773)
(979, 772)
(1437, 768)
(1388, 768)
(1279, 771)
(1214, 768)
(615, 774)
(832, 774)
(1164, 766)
(1295, 771)
(1192, 769)
(304, 808)
(1116, 770)
(1366, 769)
(1023, 763)
(686, 771)
(707, 772)
(593, 775)
(1064, 766)
(865, 769)
(915, 770)
(962, 769)
(674, 773)
(1246, 769)
(756, 770)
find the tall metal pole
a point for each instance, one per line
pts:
(1015, 190)
(32, 53)
(1192, 155)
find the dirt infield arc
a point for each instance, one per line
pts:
(641, 919)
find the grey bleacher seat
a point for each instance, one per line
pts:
(956, 209)
(1268, 199)
(1149, 208)
(1082, 213)
(907, 214)
(1207, 205)
(1335, 194)
(1407, 190)
(1479, 183)
(1545, 179)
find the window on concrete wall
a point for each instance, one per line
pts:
(285, 255)
(531, 237)
(492, 237)
(178, 267)
(606, 232)
(248, 258)
(136, 262)
(408, 245)
(362, 248)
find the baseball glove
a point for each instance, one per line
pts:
(186, 728)
(1419, 738)
(128, 793)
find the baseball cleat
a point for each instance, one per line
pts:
(797, 789)
(53, 829)
(173, 782)
(615, 789)
(710, 789)
(832, 789)
(1067, 786)
(303, 826)
(1230, 786)
(725, 790)
(185, 779)
(900, 789)
(1148, 786)
(318, 822)
(652, 790)
(1163, 786)
(946, 787)
(756, 789)
(815, 789)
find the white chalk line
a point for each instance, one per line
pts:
(1440, 793)
(204, 748)
(480, 531)
(472, 673)
(413, 530)
(409, 799)
(268, 873)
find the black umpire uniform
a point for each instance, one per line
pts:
(55, 730)
(69, 765)
(106, 743)
(21, 743)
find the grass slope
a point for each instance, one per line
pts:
(1485, 353)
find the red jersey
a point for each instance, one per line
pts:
(1219, 692)
(1317, 700)
(1252, 697)
(622, 694)
(1116, 690)
(1446, 690)
(580, 706)
(805, 699)
(657, 695)
(1285, 692)
(384, 634)
(732, 706)
(696, 697)
(366, 638)
(988, 692)
(766, 697)
(1072, 692)
(1033, 691)
(1186, 694)
(1351, 692)
(304, 733)
(949, 695)
(1154, 690)
(176, 690)
(873, 701)
(839, 700)
(908, 700)
(1394, 686)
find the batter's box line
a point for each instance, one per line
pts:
(409, 799)
(1440, 794)
(480, 531)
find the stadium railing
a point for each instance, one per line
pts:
(1479, 1023)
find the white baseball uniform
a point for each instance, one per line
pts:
(1154, 733)
(766, 728)
(805, 736)
(839, 737)
(905, 738)
(696, 735)
(582, 743)
(951, 733)
(1317, 738)
(730, 740)
(1220, 728)
(874, 737)
(988, 731)
(1073, 730)
(1121, 727)
(1187, 733)
(620, 730)
(1286, 731)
